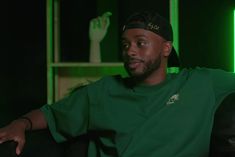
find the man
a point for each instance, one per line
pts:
(151, 112)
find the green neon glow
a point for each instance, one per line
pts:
(234, 40)
(174, 19)
(49, 13)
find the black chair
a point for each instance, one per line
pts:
(38, 144)
(223, 133)
(7, 149)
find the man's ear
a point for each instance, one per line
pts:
(167, 48)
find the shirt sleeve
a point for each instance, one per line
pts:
(223, 82)
(69, 116)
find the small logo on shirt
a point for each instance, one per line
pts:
(173, 99)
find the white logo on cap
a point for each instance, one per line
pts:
(153, 26)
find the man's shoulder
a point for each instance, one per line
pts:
(206, 73)
(202, 70)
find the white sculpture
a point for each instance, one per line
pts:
(97, 30)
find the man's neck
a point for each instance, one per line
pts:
(155, 78)
(152, 79)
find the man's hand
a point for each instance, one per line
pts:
(98, 27)
(15, 131)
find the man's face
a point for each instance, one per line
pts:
(142, 52)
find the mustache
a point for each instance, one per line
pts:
(133, 59)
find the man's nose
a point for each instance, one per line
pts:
(131, 51)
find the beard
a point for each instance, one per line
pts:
(148, 68)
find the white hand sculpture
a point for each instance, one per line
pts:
(98, 27)
(97, 30)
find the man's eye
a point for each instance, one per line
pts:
(141, 43)
(125, 46)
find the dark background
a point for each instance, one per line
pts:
(206, 39)
(23, 58)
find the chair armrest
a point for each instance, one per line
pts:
(8, 149)
(38, 143)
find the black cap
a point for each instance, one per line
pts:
(154, 22)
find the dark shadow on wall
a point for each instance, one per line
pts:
(206, 33)
(23, 59)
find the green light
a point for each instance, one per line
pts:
(234, 40)
(174, 19)
(49, 25)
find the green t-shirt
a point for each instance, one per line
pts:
(171, 119)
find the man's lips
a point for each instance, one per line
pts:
(134, 63)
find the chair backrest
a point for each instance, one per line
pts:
(223, 132)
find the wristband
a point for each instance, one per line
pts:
(30, 122)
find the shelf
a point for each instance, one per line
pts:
(88, 69)
(86, 64)
(67, 75)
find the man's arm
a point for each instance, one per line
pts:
(37, 118)
(16, 129)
